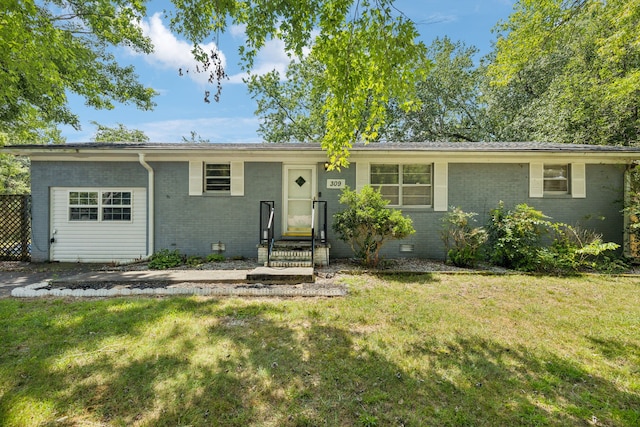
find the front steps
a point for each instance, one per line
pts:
(294, 253)
(291, 258)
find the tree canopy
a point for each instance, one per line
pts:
(289, 109)
(49, 48)
(561, 70)
(568, 71)
(366, 49)
(118, 134)
(448, 108)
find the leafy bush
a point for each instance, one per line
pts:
(194, 260)
(575, 249)
(165, 259)
(367, 224)
(632, 212)
(462, 241)
(514, 236)
(215, 258)
(516, 241)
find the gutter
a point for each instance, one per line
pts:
(150, 205)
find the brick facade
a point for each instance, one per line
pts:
(192, 223)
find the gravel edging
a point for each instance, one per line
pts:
(44, 289)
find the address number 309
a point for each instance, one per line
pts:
(336, 184)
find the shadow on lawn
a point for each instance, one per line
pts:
(268, 371)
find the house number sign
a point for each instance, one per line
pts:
(336, 184)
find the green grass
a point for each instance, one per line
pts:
(445, 350)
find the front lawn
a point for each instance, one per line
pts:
(430, 349)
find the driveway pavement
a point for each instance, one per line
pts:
(14, 279)
(85, 280)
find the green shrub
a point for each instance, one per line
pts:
(215, 258)
(194, 260)
(367, 224)
(462, 241)
(632, 212)
(514, 236)
(517, 240)
(165, 259)
(576, 249)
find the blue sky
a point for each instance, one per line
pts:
(180, 107)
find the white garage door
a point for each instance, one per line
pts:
(98, 224)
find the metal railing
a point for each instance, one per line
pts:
(323, 227)
(267, 234)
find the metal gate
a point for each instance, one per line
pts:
(15, 227)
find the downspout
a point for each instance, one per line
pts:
(151, 204)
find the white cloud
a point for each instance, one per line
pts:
(441, 18)
(238, 30)
(170, 52)
(271, 57)
(215, 129)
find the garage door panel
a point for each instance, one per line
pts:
(98, 240)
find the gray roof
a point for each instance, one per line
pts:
(377, 146)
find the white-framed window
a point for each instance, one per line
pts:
(217, 177)
(553, 179)
(556, 178)
(83, 206)
(404, 184)
(97, 206)
(116, 205)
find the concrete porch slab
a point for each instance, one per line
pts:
(165, 276)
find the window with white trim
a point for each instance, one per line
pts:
(83, 206)
(403, 184)
(116, 206)
(556, 178)
(217, 177)
(100, 206)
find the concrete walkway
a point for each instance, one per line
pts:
(261, 281)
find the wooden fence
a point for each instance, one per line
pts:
(15, 228)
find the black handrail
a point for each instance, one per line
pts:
(313, 234)
(323, 228)
(267, 235)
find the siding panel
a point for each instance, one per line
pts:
(96, 241)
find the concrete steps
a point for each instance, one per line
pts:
(294, 254)
(291, 258)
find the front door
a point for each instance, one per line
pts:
(299, 192)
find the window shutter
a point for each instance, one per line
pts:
(440, 187)
(237, 178)
(536, 179)
(362, 175)
(195, 178)
(578, 181)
